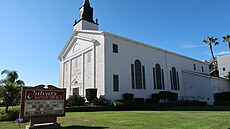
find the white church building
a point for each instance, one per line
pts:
(115, 65)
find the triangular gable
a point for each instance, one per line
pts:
(75, 45)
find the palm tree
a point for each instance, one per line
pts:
(210, 41)
(227, 39)
(12, 76)
(10, 88)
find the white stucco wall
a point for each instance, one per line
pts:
(120, 64)
(98, 73)
(220, 85)
(223, 65)
(198, 87)
(89, 70)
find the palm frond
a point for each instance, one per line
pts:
(5, 71)
(20, 83)
(216, 43)
(205, 41)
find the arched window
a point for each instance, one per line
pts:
(158, 77)
(138, 75)
(174, 79)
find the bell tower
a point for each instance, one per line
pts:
(86, 21)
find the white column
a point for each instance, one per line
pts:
(70, 71)
(83, 74)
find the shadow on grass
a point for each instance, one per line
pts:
(82, 127)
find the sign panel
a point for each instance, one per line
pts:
(40, 101)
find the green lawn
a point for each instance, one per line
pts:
(141, 120)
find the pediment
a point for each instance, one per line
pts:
(75, 46)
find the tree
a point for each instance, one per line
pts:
(10, 88)
(12, 76)
(210, 41)
(227, 39)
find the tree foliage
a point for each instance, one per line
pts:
(210, 41)
(10, 88)
(227, 39)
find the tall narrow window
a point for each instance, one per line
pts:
(154, 78)
(138, 75)
(174, 79)
(158, 77)
(132, 76)
(116, 83)
(194, 66)
(202, 68)
(115, 48)
(143, 71)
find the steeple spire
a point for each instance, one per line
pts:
(86, 18)
(86, 3)
(86, 12)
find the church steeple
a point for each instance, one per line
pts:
(86, 3)
(86, 21)
(86, 12)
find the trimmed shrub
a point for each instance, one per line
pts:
(118, 103)
(100, 101)
(139, 100)
(149, 101)
(222, 97)
(75, 100)
(164, 94)
(91, 94)
(171, 96)
(156, 98)
(12, 115)
(122, 102)
(128, 96)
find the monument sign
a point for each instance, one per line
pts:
(42, 105)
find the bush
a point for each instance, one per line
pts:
(149, 100)
(139, 100)
(222, 97)
(100, 101)
(75, 100)
(156, 98)
(128, 96)
(171, 96)
(12, 115)
(122, 102)
(91, 94)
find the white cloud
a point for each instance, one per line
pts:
(222, 53)
(189, 45)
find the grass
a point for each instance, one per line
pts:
(140, 119)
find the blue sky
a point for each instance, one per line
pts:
(33, 32)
